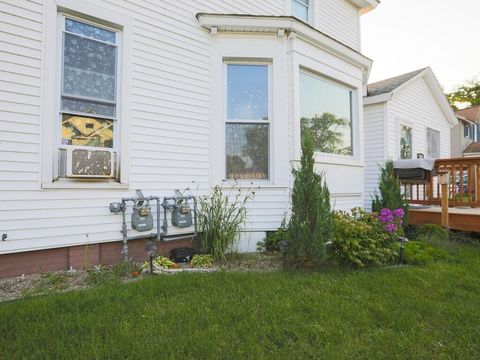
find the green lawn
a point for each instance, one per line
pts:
(430, 312)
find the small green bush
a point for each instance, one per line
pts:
(202, 261)
(270, 243)
(221, 218)
(390, 196)
(360, 240)
(422, 253)
(432, 232)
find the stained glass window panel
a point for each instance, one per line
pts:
(85, 131)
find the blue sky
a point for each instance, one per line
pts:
(405, 35)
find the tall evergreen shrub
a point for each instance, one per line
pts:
(310, 225)
(390, 196)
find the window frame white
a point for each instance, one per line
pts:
(399, 137)
(51, 133)
(353, 123)
(268, 122)
(308, 6)
(429, 155)
(62, 16)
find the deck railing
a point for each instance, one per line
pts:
(463, 189)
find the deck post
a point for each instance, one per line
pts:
(443, 180)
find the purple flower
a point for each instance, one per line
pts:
(391, 228)
(385, 215)
(399, 213)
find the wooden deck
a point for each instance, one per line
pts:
(460, 218)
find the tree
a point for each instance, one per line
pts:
(310, 225)
(468, 93)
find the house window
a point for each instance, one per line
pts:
(300, 9)
(326, 109)
(433, 144)
(88, 98)
(247, 128)
(405, 142)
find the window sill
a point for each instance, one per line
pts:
(79, 184)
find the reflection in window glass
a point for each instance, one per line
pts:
(326, 109)
(247, 92)
(405, 142)
(300, 9)
(247, 151)
(85, 131)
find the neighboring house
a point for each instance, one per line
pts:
(173, 92)
(406, 117)
(465, 136)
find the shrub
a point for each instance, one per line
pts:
(310, 225)
(432, 232)
(220, 219)
(202, 261)
(390, 196)
(270, 243)
(422, 253)
(359, 239)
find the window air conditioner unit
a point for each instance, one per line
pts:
(87, 163)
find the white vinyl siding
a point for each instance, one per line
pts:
(169, 118)
(374, 130)
(416, 104)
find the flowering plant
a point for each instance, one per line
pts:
(392, 220)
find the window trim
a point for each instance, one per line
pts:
(308, 6)
(353, 121)
(429, 156)
(117, 124)
(269, 122)
(411, 126)
(50, 106)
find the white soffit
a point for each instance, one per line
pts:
(289, 24)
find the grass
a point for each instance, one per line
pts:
(430, 312)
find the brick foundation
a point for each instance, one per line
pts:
(84, 256)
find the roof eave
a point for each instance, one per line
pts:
(365, 6)
(271, 24)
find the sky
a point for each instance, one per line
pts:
(406, 35)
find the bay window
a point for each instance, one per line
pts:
(247, 125)
(326, 110)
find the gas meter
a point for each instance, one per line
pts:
(142, 219)
(181, 214)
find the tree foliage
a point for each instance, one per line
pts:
(390, 196)
(326, 135)
(310, 225)
(468, 93)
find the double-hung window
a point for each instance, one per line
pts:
(301, 9)
(405, 142)
(89, 82)
(247, 125)
(433, 144)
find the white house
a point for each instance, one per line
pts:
(173, 92)
(406, 117)
(465, 136)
